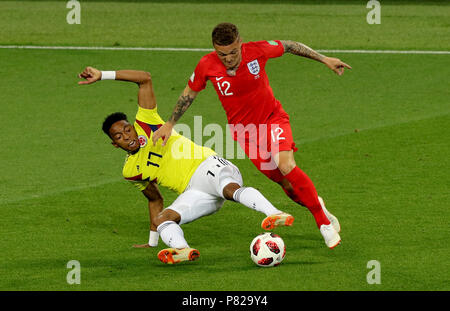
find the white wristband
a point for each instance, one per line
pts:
(153, 238)
(108, 75)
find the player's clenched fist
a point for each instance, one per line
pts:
(90, 74)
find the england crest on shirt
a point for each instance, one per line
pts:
(253, 67)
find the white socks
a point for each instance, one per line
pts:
(172, 234)
(253, 199)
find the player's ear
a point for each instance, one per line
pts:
(114, 144)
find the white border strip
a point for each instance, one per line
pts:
(104, 48)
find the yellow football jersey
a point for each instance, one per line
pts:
(172, 165)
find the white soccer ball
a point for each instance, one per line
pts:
(267, 250)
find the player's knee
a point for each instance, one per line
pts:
(166, 215)
(228, 190)
(285, 162)
(286, 167)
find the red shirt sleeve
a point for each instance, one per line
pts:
(198, 79)
(271, 49)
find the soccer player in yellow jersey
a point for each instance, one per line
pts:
(202, 179)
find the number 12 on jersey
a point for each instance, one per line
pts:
(276, 134)
(224, 88)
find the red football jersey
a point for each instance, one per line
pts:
(247, 97)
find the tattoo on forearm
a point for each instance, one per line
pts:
(182, 105)
(300, 49)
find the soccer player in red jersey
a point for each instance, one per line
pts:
(256, 118)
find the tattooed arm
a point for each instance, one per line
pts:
(300, 49)
(183, 103)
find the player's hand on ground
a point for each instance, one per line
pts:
(90, 75)
(336, 65)
(141, 246)
(163, 132)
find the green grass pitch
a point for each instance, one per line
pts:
(375, 142)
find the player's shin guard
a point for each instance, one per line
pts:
(253, 199)
(305, 194)
(172, 234)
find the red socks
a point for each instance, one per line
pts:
(305, 194)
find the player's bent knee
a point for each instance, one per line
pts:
(229, 190)
(167, 215)
(285, 161)
(286, 167)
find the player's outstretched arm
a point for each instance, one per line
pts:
(155, 206)
(183, 103)
(146, 96)
(300, 49)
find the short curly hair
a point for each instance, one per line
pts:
(111, 119)
(224, 34)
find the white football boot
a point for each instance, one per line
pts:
(334, 221)
(330, 235)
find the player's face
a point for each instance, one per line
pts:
(124, 136)
(230, 55)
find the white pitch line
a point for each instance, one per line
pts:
(383, 52)
(116, 48)
(102, 48)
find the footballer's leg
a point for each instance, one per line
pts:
(189, 206)
(254, 199)
(229, 184)
(220, 178)
(296, 184)
(173, 236)
(303, 192)
(282, 148)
